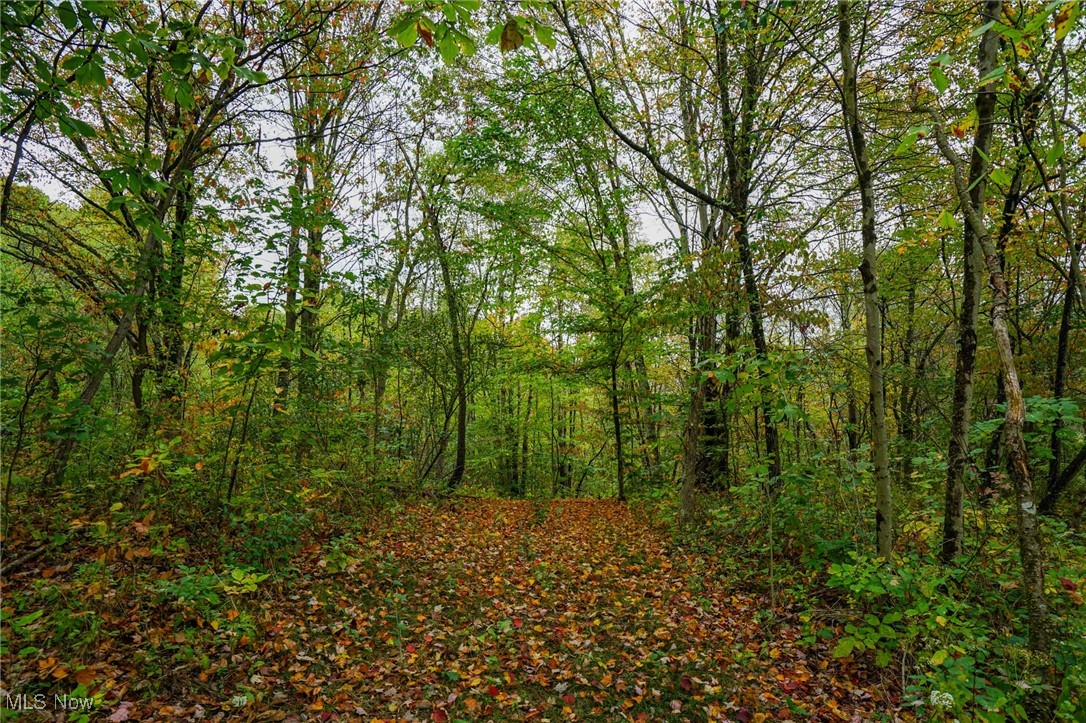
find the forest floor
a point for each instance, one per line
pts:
(465, 610)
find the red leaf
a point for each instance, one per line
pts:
(493, 691)
(425, 34)
(440, 716)
(1068, 584)
(518, 623)
(569, 698)
(685, 684)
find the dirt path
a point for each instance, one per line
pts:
(469, 610)
(508, 610)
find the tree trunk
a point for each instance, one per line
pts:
(312, 272)
(458, 354)
(524, 442)
(62, 452)
(884, 511)
(171, 368)
(1029, 536)
(961, 410)
(1059, 382)
(616, 421)
(705, 341)
(292, 279)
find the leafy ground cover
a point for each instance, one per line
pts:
(466, 610)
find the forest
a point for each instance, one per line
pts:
(543, 360)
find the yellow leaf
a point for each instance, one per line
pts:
(1065, 18)
(963, 125)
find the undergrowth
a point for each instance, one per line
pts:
(949, 639)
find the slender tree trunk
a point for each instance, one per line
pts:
(312, 273)
(292, 279)
(884, 510)
(961, 410)
(62, 452)
(705, 340)
(140, 354)
(171, 368)
(524, 442)
(739, 128)
(451, 302)
(1059, 381)
(616, 421)
(1029, 536)
(908, 421)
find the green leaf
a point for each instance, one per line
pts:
(73, 127)
(939, 657)
(1001, 177)
(994, 74)
(448, 48)
(183, 94)
(407, 21)
(844, 647)
(408, 36)
(27, 619)
(947, 220)
(939, 79)
(911, 136)
(67, 16)
(253, 76)
(91, 73)
(545, 35)
(1055, 153)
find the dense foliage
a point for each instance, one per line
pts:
(289, 285)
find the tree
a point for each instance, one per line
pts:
(857, 143)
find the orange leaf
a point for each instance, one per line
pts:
(425, 34)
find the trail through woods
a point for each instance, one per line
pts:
(514, 610)
(472, 609)
(489, 610)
